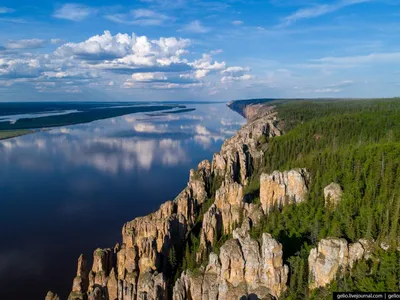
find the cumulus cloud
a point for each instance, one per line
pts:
(144, 17)
(20, 68)
(25, 44)
(129, 50)
(120, 60)
(74, 12)
(205, 65)
(196, 27)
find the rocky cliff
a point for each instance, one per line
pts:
(244, 268)
(138, 267)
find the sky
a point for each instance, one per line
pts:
(143, 50)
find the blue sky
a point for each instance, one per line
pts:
(198, 50)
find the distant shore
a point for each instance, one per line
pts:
(8, 134)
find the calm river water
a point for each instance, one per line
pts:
(69, 190)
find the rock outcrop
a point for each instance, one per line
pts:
(332, 257)
(81, 281)
(281, 188)
(244, 267)
(51, 296)
(332, 194)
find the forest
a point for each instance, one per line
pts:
(356, 144)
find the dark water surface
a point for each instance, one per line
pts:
(69, 190)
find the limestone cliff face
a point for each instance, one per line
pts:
(135, 269)
(332, 257)
(244, 267)
(234, 164)
(281, 188)
(240, 153)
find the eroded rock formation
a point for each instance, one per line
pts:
(333, 256)
(51, 296)
(244, 267)
(281, 188)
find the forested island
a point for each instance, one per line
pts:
(301, 202)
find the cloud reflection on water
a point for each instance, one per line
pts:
(122, 144)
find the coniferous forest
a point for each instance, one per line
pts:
(356, 144)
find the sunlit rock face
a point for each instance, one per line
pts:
(234, 164)
(81, 281)
(51, 296)
(332, 257)
(332, 194)
(244, 267)
(281, 188)
(240, 153)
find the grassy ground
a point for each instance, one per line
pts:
(8, 134)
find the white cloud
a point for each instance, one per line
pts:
(148, 76)
(201, 130)
(201, 73)
(235, 73)
(327, 90)
(343, 83)
(127, 50)
(205, 65)
(230, 79)
(20, 68)
(319, 10)
(118, 61)
(6, 10)
(387, 57)
(150, 128)
(217, 51)
(103, 46)
(57, 41)
(237, 22)
(74, 12)
(25, 44)
(196, 27)
(144, 17)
